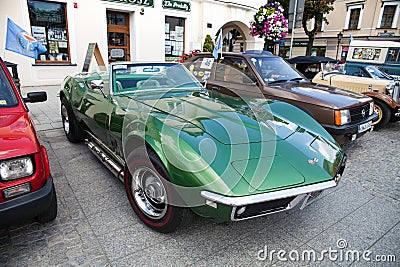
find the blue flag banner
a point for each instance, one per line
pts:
(21, 42)
(217, 44)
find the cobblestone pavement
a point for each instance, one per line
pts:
(96, 226)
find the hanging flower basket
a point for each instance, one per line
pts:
(269, 22)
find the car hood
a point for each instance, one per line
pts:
(17, 135)
(301, 159)
(324, 95)
(256, 148)
(239, 123)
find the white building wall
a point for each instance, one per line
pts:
(87, 24)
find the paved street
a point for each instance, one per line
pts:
(96, 226)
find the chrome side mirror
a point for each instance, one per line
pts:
(96, 84)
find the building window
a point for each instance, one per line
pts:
(320, 27)
(49, 26)
(353, 17)
(174, 38)
(389, 15)
(118, 36)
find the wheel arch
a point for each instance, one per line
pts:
(384, 98)
(136, 141)
(66, 88)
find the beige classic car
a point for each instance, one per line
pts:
(371, 82)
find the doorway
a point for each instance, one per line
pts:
(118, 36)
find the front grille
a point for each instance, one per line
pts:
(359, 113)
(263, 208)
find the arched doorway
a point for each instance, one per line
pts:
(233, 37)
(236, 38)
(233, 41)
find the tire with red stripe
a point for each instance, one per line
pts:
(150, 192)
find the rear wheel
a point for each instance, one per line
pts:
(71, 127)
(383, 112)
(150, 193)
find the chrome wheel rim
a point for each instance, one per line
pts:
(65, 119)
(149, 192)
(378, 111)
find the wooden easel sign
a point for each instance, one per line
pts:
(93, 48)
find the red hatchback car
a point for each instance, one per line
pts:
(26, 185)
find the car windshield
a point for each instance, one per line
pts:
(7, 94)
(275, 69)
(377, 74)
(129, 77)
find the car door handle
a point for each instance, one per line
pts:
(216, 88)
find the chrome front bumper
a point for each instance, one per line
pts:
(254, 199)
(251, 206)
(268, 203)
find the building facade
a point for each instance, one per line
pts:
(137, 30)
(350, 19)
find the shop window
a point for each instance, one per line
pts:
(174, 38)
(389, 15)
(318, 51)
(393, 55)
(365, 53)
(49, 27)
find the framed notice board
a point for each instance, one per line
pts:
(93, 49)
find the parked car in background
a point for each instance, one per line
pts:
(345, 115)
(369, 81)
(368, 71)
(383, 54)
(309, 66)
(26, 185)
(180, 150)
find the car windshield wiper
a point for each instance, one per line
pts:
(296, 79)
(277, 81)
(285, 80)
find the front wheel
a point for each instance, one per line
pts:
(150, 192)
(383, 112)
(71, 127)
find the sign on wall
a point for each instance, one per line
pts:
(176, 5)
(149, 3)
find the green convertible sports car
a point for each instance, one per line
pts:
(181, 150)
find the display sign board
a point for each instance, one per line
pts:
(176, 5)
(300, 43)
(93, 49)
(149, 3)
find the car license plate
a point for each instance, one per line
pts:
(364, 127)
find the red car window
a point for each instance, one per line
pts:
(7, 94)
